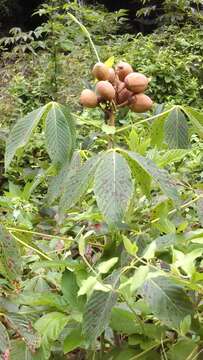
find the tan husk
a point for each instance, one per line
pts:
(123, 69)
(101, 71)
(112, 76)
(141, 103)
(88, 98)
(136, 82)
(123, 96)
(105, 90)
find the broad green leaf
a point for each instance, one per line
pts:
(176, 130)
(141, 176)
(4, 339)
(43, 299)
(19, 351)
(195, 117)
(130, 247)
(23, 326)
(186, 261)
(124, 321)
(185, 325)
(157, 130)
(50, 326)
(113, 187)
(57, 183)
(170, 156)
(10, 256)
(60, 139)
(159, 244)
(70, 289)
(21, 133)
(73, 341)
(87, 286)
(160, 176)
(139, 277)
(167, 300)
(77, 183)
(98, 310)
(105, 266)
(184, 349)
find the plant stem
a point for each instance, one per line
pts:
(86, 32)
(30, 247)
(110, 119)
(146, 120)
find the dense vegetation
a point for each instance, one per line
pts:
(101, 223)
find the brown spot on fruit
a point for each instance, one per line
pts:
(101, 71)
(123, 69)
(88, 98)
(141, 103)
(105, 90)
(136, 82)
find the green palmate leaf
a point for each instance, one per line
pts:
(176, 130)
(98, 310)
(70, 289)
(170, 156)
(59, 133)
(57, 183)
(157, 130)
(9, 255)
(19, 351)
(77, 182)
(113, 187)
(160, 176)
(195, 117)
(21, 132)
(23, 326)
(49, 327)
(73, 340)
(4, 339)
(43, 299)
(184, 349)
(167, 300)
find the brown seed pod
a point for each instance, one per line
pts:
(136, 82)
(141, 103)
(101, 71)
(123, 96)
(112, 76)
(88, 98)
(123, 69)
(119, 86)
(105, 90)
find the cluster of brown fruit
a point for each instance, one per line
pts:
(121, 85)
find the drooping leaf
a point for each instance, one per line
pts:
(9, 255)
(195, 117)
(77, 182)
(60, 138)
(170, 156)
(4, 339)
(167, 300)
(43, 299)
(160, 176)
(21, 132)
(176, 130)
(56, 183)
(157, 130)
(98, 310)
(49, 326)
(113, 187)
(23, 326)
(73, 340)
(70, 289)
(183, 349)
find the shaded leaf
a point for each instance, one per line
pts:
(168, 301)
(98, 310)
(195, 117)
(77, 182)
(4, 339)
(60, 139)
(21, 132)
(73, 341)
(70, 289)
(113, 187)
(176, 130)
